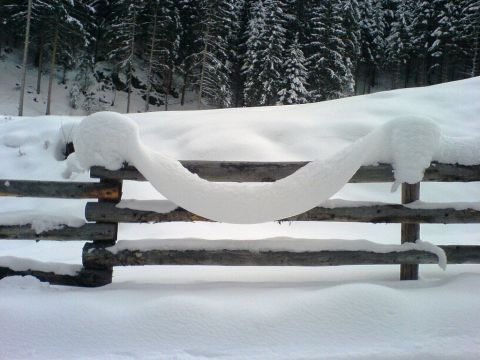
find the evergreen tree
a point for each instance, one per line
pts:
(123, 35)
(212, 66)
(162, 20)
(445, 47)
(264, 58)
(293, 89)
(373, 34)
(399, 43)
(330, 74)
(350, 13)
(471, 23)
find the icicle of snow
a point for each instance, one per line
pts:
(110, 139)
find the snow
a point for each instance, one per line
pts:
(194, 312)
(21, 264)
(408, 143)
(40, 220)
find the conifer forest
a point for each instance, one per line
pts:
(232, 53)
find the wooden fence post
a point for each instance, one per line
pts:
(102, 275)
(410, 232)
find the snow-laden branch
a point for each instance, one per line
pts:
(110, 139)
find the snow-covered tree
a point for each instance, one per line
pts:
(471, 24)
(293, 90)
(373, 34)
(123, 36)
(212, 67)
(399, 42)
(330, 74)
(445, 47)
(264, 55)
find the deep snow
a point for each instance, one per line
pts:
(272, 312)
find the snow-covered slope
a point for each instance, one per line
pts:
(198, 312)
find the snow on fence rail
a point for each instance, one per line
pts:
(104, 252)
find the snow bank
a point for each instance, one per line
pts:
(110, 139)
(278, 244)
(21, 264)
(40, 220)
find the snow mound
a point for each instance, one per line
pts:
(110, 139)
(40, 221)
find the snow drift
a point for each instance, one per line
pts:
(110, 139)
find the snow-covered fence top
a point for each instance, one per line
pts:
(405, 152)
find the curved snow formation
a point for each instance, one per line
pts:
(109, 139)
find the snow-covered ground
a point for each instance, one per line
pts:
(250, 312)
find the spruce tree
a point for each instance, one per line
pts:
(330, 74)
(123, 35)
(293, 90)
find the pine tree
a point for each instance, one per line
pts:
(330, 74)
(293, 89)
(212, 66)
(264, 57)
(471, 23)
(373, 34)
(123, 33)
(350, 13)
(189, 44)
(399, 43)
(445, 47)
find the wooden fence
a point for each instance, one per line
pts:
(103, 217)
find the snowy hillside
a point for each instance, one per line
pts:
(195, 312)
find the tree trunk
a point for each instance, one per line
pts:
(40, 65)
(445, 68)
(130, 67)
(150, 61)
(475, 50)
(407, 73)
(129, 86)
(52, 71)
(184, 87)
(167, 86)
(25, 57)
(204, 59)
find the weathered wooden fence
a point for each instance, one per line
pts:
(103, 218)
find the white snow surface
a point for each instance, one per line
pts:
(40, 220)
(22, 264)
(198, 312)
(109, 139)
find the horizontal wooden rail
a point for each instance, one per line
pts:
(95, 256)
(59, 189)
(97, 232)
(270, 171)
(384, 213)
(87, 278)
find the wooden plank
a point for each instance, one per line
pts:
(98, 232)
(101, 256)
(410, 232)
(270, 171)
(85, 278)
(59, 189)
(390, 213)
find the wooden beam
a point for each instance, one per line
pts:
(85, 278)
(389, 213)
(98, 232)
(96, 256)
(59, 189)
(410, 231)
(246, 171)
